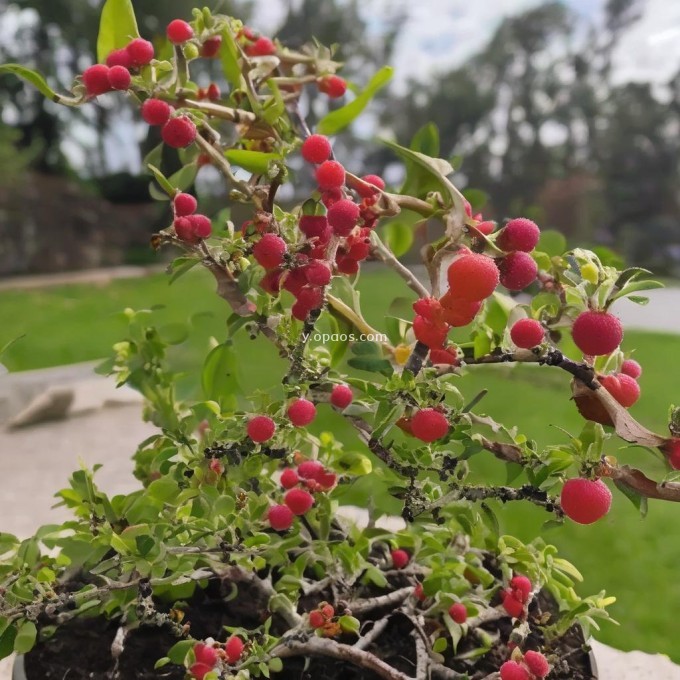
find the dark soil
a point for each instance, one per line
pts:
(81, 648)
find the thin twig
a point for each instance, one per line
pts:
(382, 252)
(370, 603)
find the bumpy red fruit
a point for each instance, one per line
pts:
(316, 619)
(431, 334)
(205, 654)
(444, 356)
(343, 217)
(428, 425)
(429, 308)
(313, 226)
(213, 92)
(301, 412)
(262, 47)
(318, 273)
(585, 501)
(316, 149)
(311, 469)
(400, 558)
(199, 670)
(518, 270)
(458, 312)
(179, 31)
(632, 368)
(375, 181)
(269, 251)
(511, 670)
(140, 52)
(280, 517)
(521, 587)
(512, 605)
(341, 396)
(597, 333)
(185, 204)
(518, 234)
(96, 80)
(419, 593)
(201, 225)
(537, 663)
(330, 175)
(179, 132)
(211, 47)
(261, 429)
(458, 612)
(234, 648)
(622, 387)
(119, 57)
(119, 78)
(672, 450)
(473, 276)
(333, 86)
(527, 333)
(184, 230)
(299, 501)
(156, 111)
(289, 478)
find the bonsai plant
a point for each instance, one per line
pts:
(236, 557)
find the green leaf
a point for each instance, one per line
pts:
(229, 58)
(426, 140)
(31, 77)
(25, 638)
(398, 236)
(184, 177)
(552, 243)
(165, 184)
(177, 653)
(256, 162)
(338, 120)
(7, 641)
(640, 502)
(219, 377)
(117, 26)
(372, 365)
(349, 624)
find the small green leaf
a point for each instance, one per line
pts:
(338, 120)
(177, 653)
(640, 502)
(440, 644)
(229, 58)
(256, 162)
(25, 638)
(349, 624)
(117, 26)
(275, 665)
(184, 177)
(7, 641)
(31, 77)
(220, 377)
(372, 365)
(165, 184)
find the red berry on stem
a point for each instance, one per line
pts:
(316, 619)
(537, 663)
(375, 181)
(119, 57)
(310, 297)
(289, 478)
(184, 230)
(179, 132)
(185, 204)
(346, 265)
(473, 276)
(330, 175)
(430, 334)
(318, 273)
(311, 469)
(511, 670)
(597, 333)
(234, 648)
(199, 670)
(261, 429)
(428, 425)
(316, 149)
(517, 270)
(518, 234)
(299, 501)
(400, 558)
(632, 368)
(343, 217)
(211, 47)
(213, 92)
(429, 308)
(419, 593)
(585, 501)
(334, 86)
(119, 78)
(280, 517)
(672, 450)
(262, 47)
(459, 312)
(96, 80)
(341, 396)
(622, 387)
(269, 251)
(458, 612)
(179, 31)
(521, 586)
(205, 654)
(313, 225)
(201, 225)
(301, 412)
(527, 333)
(156, 111)
(140, 52)
(444, 356)
(512, 605)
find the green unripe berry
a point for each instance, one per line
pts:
(190, 51)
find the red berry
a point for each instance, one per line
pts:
(518, 234)
(269, 251)
(359, 244)
(271, 281)
(527, 333)
(537, 663)
(430, 334)
(179, 31)
(96, 80)
(458, 312)
(374, 181)
(428, 425)
(234, 648)
(119, 57)
(341, 396)
(313, 226)
(184, 230)
(119, 78)
(311, 469)
(521, 587)
(632, 368)
(318, 273)
(517, 270)
(299, 501)
(332, 195)
(211, 47)
(316, 149)
(585, 501)
(201, 225)
(261, 429)
(333, 86)
(213, 92)
(316, 619)
(140, 52)
(289, 478)
(458, 612)
(262, 47)
(672, 450)
(444, 356)
(473, 276)
(429, 308)
(485, 227)
(622, 387)
(205, 654)
(310, 297)
(179, 132)
(511, 670)
(346, 265)
(185, 204)
(330, 175)
(327, 610)
(301, 412)
(512, 605)
(200, 670)
(343, 216)
(597, 333)
(419, 592)
(156, 111)
(280, 517)
(400, 558)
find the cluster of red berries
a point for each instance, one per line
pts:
(178, 131)
(533, 666)
(516, 597)
(212, 92)
(321, 616)
(622, 386)
(457, 611)
(585, 500)
(427, 424)
(208, 657)
(338, 239)
(189, 226)
(254, 44)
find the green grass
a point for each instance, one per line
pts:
(632, 558)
